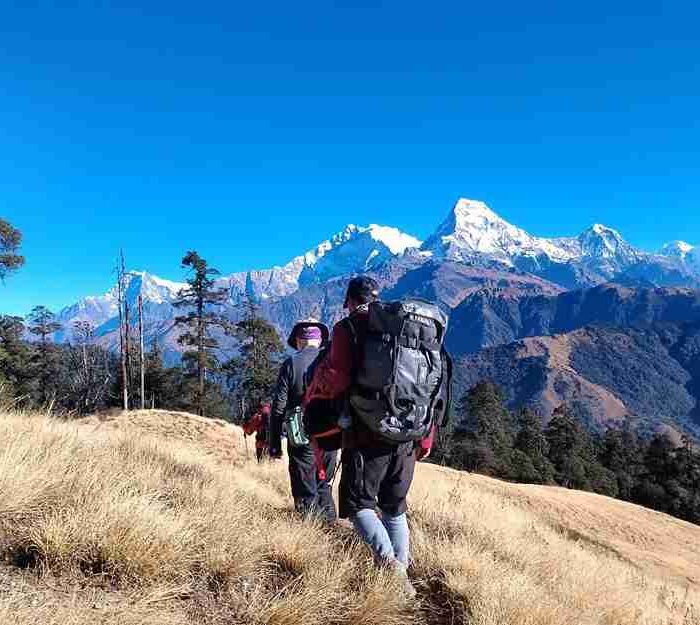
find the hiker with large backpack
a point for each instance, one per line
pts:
(388, 363)
(311, 491)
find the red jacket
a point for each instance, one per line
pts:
(258, 424)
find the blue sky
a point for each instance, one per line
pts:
(251, 131)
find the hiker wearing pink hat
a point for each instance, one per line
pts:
(311, 491)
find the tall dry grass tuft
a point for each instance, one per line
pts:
(107, 525)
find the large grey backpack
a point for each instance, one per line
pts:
(402, 382)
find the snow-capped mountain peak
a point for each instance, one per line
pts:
(467, 210)
(152, 288)
(677, 249)
(473, 232)
(354, 249)
(100, 310)
(604, 230)
(473, 229)
(600, 241)
(397, 242)
(688, 256)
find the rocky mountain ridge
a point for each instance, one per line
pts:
(471, 236)
(524, 309)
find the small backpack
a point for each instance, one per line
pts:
(403, 380)
(294, 426)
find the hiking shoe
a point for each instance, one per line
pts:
(401, 573)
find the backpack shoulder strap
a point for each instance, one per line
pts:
(349, 324)
(447, 382)
(309, 373)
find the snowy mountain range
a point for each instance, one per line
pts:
(472, 235)
(472, 232)
(354, 249)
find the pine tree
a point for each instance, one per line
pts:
(487, 442)
(16, 380)
(573, 453)
(42, 323)
(567, 440)
(254, 372)
(162, 383)
(620, 453)
(200, 297)
(534, 465)
(659, 471)
(10, 241)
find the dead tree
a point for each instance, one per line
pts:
(123, 329)
(142, 359)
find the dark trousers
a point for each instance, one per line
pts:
(376, 476)
(312, 495)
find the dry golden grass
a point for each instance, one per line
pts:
(144, 519)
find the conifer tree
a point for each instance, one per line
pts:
(10, 241)
(530, 441)
(16, 375)
(567, 448)
(488, 427)
(254, 372)
(620, 452)
(42, 323)
(162, 383)
(572, 451)
(200, 298)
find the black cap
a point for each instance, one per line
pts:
(362, 289)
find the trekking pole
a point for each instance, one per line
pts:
(245, 436)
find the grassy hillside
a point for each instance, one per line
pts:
(160, 518)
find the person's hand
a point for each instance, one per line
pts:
(422, 453)
(425, 445)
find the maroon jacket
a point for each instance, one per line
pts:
(333, 377)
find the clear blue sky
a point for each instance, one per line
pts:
(251, 130)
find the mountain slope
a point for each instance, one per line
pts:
(606, 374)
(137, 529)
(490, 317)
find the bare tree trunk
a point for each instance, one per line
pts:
(201, 357)
(141, 355)
(85, 359)
(127, 348)
(122, 334)
(243, 417)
